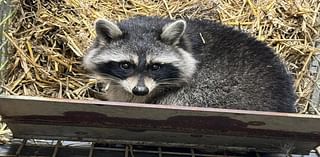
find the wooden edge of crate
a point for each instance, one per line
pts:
(217, 129)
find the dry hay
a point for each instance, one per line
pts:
(5, 133)
(49, 37)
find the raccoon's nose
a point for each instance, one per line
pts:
(140, 90)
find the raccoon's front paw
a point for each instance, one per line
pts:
(98, 94)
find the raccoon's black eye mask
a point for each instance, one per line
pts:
(121, 70)
(163, 72)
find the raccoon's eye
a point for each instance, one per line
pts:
(125, 65)
(155, 67)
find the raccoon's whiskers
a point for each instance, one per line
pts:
(116, 85)
(171, 82)
(109, 77)
(168, 83)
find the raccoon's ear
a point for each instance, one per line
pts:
(172, 32)
(107, 30)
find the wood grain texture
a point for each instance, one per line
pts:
(219, 129)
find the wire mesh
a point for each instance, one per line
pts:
(49, 148)
(24, 147)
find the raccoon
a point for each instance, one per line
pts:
(190, 62)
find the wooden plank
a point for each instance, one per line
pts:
(31, 117)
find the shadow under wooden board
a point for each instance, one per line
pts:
(163, 125)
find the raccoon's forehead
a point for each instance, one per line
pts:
(140, 42)
(141, 27)
(141, 30)
(156, 52)
(163, 56)
(115, 54)
(134, 53)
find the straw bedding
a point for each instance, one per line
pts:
(48, 38)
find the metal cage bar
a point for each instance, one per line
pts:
(5, 14)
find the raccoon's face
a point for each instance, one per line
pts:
(141, 57)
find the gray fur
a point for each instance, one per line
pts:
(220, 67)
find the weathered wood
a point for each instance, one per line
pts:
(219, 129)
